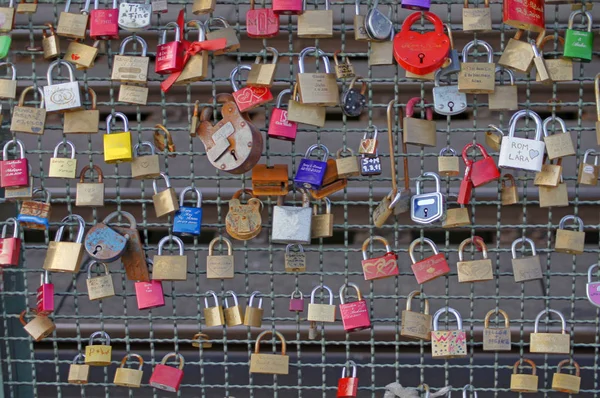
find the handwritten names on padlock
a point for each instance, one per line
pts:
(496, 338)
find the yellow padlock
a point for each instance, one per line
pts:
(117, 146)
(566, 383)
(98, 354)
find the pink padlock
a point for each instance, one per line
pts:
(279, 126)
(593, 288)
(14, 172)
(355, 315)
(149, 294)
(168, 378)
(297, 304)
(45, 296)
(10, 248)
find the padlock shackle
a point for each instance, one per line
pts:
(299, 292)
(352, 364)
(118, 115)
(134, 356)
(276, 334)
(479, 43)
(511, 76)
(585, 14)
(319, 54)
(281, 95)
(470, 387)
(91, 265)
(77, 357)
(414, 294)
(210, 22)
(450, 310)
(233, 295)
(164, 177)
(175, 239)
(163, 38)
(10, 143)
(425, 389)
(12, 67)
(477, 241)
(88, 168)
(548, 311)
(129, 39)
(486, 320)
(431, 174)
(258, 294)
(523, 240)
(201, 338)
(410, 107)
(23, 313)
(420, 241)
(579, 221)
(596, 90)
(65, 143)
(15, 228)
(212, 243)
(80, 231)
(375, 131)
(403, 146)
(45, 192)
(547, 39)
(201, 29)
(127, 215)
(590, 269)
(291, 245)
(268, 50)
(343, 292)
(235, 72)
(101, 334)
(313, 292)
(60, 62)
(208, 294)
(567, 362)
(590, 152)
(510, 178)
(523, 114)
(191, 189)
(338, 52)
(114, 4)
(527, 360)
(448, 149)
(136, 148)
(44, 278)
(560, 121)
(342, 151)
(313, 147)
(372, 239)
(177, 357)
(486, 5)
(470, 145)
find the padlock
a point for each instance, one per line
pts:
(431, 267)
(311, 172)
(127, 377)
(331, 182)
(147, 166)
(452, 63)
(188, 220)
(447, 100)
(295, 261)
(588, 173)
(99, 287)
(50, 43)
(19, 193)
(7, 18)
(348, 385)
(279, 126)
(243, 221)
(170, 267)
(416, 325)
(322, 224)
(370, 165)
(233, 315)
(321, 312)
(164, 141)
(159, 6)
(261, 23)
(63, 167)
(169, 55)
(165, 201)
(5, 41)
(253, 315)
(355, 314)
(35, 214)
(541, 74)
(518, 54)
(522, 153)
(90, 193)
(65, 256)
(570, 242)
(105, 244)
(493, 137)
(523, 382)
(467, 388)
(149, 294)
(10, 248)
(73, 25)
(550, 175)
(347, 166)
(419, 131)
(28, 119)
(593, 288)
(270, 180)
(81, 55)
(477, 19)
(315, 24)
(83, 121)
(78, 374)
(456, 217)
(526, 268)
(248, 98)
(262, 75)
(39, 327)
(496, 339)
(427, 208)
(368, 144)
(8, 88)
(227, 33)
(288, 7)
(566, 383)
(379, 267)
(447, 344)
(134, 257)
(579, 44)
(504, 98)
(168, 378)
(14, 172)
(201, 340)
(269, 363)
(354, 101)
(62, 96)
(382, 52)
(528, 16)
(448, 165)
(550, 343)
(98, 354)
(417, 5)
(344, 70)
(554, 196)
(560, 69)
(307, 114)
(195, 120)
(221, 266)
(477, 77)
(318, 89)
(509, 193)
(421, 53)
(117, 146)
(196, 66)
(45, 296)
(131, 68)
(474, 270)
(558, 145)
(135, 17)
(104, 23)
(379, 26)
(213, 315)
(296, 304)
(284, 217)
(133, 94)
(200, 7)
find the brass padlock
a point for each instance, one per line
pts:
(566, 383)
(588, 173)
(227, 33)
(447, 344)
(222, 266)
(164, 141)
(360, 31)
(8, 88)
(382, 52)
(147, 166)
(27, 8)
(322, 224)
(416, 325)
(524, 382)
(505, 97)
(7, 17)
(560, 69)
(448, 166)
(319, 89)
(253, 316)
(550, 175)
(195, 120)
(474, 270)
(558, 145)
(419, 131)
(127, 377)
(213, 316)
(321, 312)
(78, 374)
(316, 24)
(81, 55)
(526, 268)
(170, 268)
(65, 256)
(73, 25)
(131, 94)
(477, 19)
(550, 343)
(295, 261)
(131, 68)
(63, 167)
(496, 339)
(99, 287)
(509, 193)
(201, 340)
(39, 327)
(270, 180)
(343, 70)
(243, 221)
(233, 315)
(368, 143)
(347, 166)
(456, 217)
(50, 43)
(196, 68)
(84, 121)
(203, 6)
(477, 77)
(98, 354)
(90, 194)
(557, 196)
(493, 137)
(165, 202)
(518, 55)
(269, 363)
(307, 114)
(262, 74)
(27, 119)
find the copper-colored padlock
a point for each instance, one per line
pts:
(523, 382)
(566, 383)
(270, 180)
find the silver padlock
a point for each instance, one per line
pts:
(135, 17)
(427, 208)
(522, 153)
(159, 6)
(62, 96)
(378, 26)
(292, 224)
(447, 100)
(453, 62)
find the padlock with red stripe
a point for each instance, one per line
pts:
(45, 296)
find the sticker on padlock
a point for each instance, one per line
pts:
(447, 344)
(65, 256)
(427, 208)
(379, 267)
(135, 17)
(550, 343)
(10, 248)
(431, 267)
(526, 268)
(188, 220)
(496, 339)
(521, 153)
(62, 96)
(355, 314)
(593, 288)
(447, 100)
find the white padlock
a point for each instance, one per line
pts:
(522, 153)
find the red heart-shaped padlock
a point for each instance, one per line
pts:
(421, 53)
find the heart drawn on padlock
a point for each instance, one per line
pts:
(222, 269)
(533, 153)
(75, 57)
(144, 165)
(245, 96)
(70, 162)
(380, 266)
(259, 92)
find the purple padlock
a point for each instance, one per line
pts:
(310, 171)
(417, 5)
(297, 304)
(592, 288)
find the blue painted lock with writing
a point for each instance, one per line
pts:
(310, 171)
(188, 220)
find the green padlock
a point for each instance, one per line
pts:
(5, 41)
(579, 44)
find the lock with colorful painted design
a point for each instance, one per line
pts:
(447, 344)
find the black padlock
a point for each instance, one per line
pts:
(354, 101)
(370, 166)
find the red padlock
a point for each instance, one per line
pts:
(149, 294)
(104, 23)
(248, 98)
(483, 171)
(466, 186)
(10, 248)
(355, 315)
(431, 267)
(527, 15)
(297, 304)
(421, 53)
(261, 23)
(279, 126)
(379, 267)
(288, 7)
(169, 56)
(168, 378)
(14, 172)
(45, 296)
(348, 386)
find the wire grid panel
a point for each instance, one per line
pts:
(381, 355)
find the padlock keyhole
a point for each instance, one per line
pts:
(97, 249)
(421, 57)
(425, 210)
(451, 106)
(233, 154)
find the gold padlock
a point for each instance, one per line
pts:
(526, 268)
(73, 25)
(496, 339)
(550, 175)
(164, 141)
(50, 43)
(295, 261)
(509, 193)
(322, 224)
(347, 166)
(524, 382)
(195, 120)
(316, 24)
(448, 165)
(201, 340)
(220, 267)
(474, 270)
(318, 89)
(131, 68)
(307, 114)
(165, 202)
(269, 363)
(170, 268)
(233, 315)
(518, 55)
(321, 312)
(8, 87)
(90, 193)
(588, 173)
(382, 52)
(243, 221)
(213, 316)
(39, 327)
(493, 137)
(343, 70)
(147, 166)
(99, 287)
(566, 383)
(416, 325)
(557, 196)
(84, 121)
(505, 97)
(63, 167)
(456, 217)
(558, 145)
(447, 344)
(81, 55)
(98, 354)
(550, 343)
(126, 377)
(419, 131)
(203, 6)
(477, 19)
(253, 316)
(360, 31)
(560, 69)
(262, 75)
(65, 256)
(477, 77)
(132, 94)
(7, 17)
(27, 119)
(196, 68)
(226, 33)
(27, 8)
(78, 374)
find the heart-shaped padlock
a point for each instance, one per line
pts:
(354, 101)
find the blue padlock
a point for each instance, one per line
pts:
(103, 243)
(310, 171)
(188, 220)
